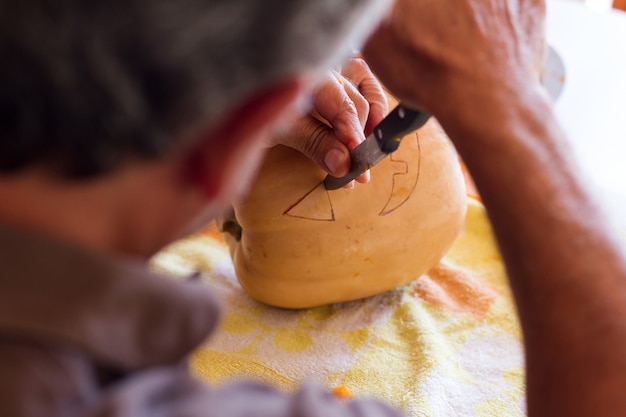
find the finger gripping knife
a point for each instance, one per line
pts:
(384, 140)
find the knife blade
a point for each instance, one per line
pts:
(384, 140)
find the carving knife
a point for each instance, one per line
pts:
(384, 140)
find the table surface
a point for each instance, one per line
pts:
(592, 106)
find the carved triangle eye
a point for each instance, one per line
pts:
(314, 205)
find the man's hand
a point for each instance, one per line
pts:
(427, 51)
(474, 65)
(346, 107)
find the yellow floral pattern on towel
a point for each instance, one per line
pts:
(447, 344)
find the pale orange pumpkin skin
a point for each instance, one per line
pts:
(370, 242)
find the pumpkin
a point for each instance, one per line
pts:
(295, 245)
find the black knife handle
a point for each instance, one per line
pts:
(398, 123)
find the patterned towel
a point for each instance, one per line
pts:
(447, 344)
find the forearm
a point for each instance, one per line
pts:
(566, 270)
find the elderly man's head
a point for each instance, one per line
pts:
(87, 85)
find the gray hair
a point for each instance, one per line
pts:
(85, 84)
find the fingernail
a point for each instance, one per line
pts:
(333, 160)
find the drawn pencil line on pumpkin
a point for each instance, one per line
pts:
(397, 198)
(313, 206)
(317, 205)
